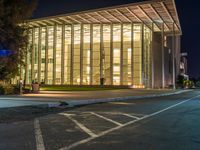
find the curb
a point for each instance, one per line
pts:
(75, 103)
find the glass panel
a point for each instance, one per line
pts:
(76, 71)
(58, 54)
(86, 54)
(96, 55)
(50, 55)
(147, 57)
(106, 54)
(43, 51)
(137, 55)
(29, 57)
(116, 53)
(127, 52)
(36, 45)
(67, 61)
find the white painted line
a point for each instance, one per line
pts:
(119, 113)
(110, 120)
(131, 116)
(81, 126)
(124, 125)
(38, 136)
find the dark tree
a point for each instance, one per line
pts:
(14, 34)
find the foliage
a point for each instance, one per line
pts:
(14, 34)
(188, 84)
(6, 89)
(198, 84)
(180, 81)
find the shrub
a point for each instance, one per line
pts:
(198, 84)
(6, 89)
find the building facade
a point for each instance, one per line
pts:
(134, 44)
(184, 66)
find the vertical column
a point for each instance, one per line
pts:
(46, 56)
(173, 59)
(163, 58)
(132, 53)
(81, 56)
(63, 54)
(33, 54)
(142, 46)
(39, 54)
(54, 53)
(91, 54)
(111, 54)
(101, 51)
(27, 61)
(152, 58)
(121, 56)
(26, 68)
(72, 55)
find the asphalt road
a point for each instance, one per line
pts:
(8, 102)
(165, 123)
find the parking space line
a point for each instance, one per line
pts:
(38, 136)
(126, 124)
(110, 120)
(81, 126)
(131, 116)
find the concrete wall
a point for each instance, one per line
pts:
(157, 59)
(168, 66)
(177, 51)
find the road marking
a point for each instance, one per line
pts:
(110, 120)
(131, 116)
(124, 125)
(121, 113)
(121, 103)
(38, 136)
(81, 126)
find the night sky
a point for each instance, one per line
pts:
(188, 12)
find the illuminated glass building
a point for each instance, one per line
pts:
(134, 44)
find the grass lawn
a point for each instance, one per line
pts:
(65, 88)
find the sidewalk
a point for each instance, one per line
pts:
(87, 95)
(77, 98)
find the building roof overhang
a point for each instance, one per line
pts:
(157, 14)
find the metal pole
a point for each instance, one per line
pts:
(72, 55)
(81, 55)
(111, 54)
(152, 58)
(46, 56)
(63, 55)
(163, 58)
(33, 55)
(143, 72)
(54, 53)
(132, 53)
(121, 57)
(101, 55)
(173, 59)
(39, 54)
(91, 54)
